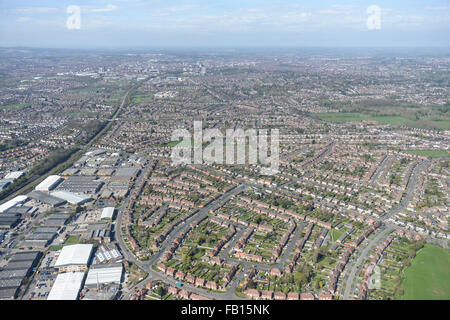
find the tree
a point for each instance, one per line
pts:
(160, 292)
(300, 278)
(251, 284)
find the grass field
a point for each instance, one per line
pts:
(428, 276)
(141, 99)
(71, 240)
(429, 153)
(335, 234)
(179, 143)
(340, 117)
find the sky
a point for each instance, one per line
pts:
(227, 23)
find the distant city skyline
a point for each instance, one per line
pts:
(200, 23)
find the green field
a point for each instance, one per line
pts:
(181, 143)
(341, 117)
(335, 234)
(428, 276)
(71, 240)
(141, 99)
(429, 153)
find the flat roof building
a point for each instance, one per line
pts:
(71, 197)
(74, 258)
(8, 293)
(67, 286)
(49, 183)
(107, 213)
(57, 219)
(46, 198)
(12, 203)
(14, 175)
(81, 184)
(104, 273)
(9, 221)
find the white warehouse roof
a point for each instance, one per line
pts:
(76, 254)
(104, 274)
(12, 203)
(66, 286)
(48, 184)
(71, 197)
(107, 213)
(14, 175)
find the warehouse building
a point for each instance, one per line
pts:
(8, 293)
(71, 197)
(74, 258)
(42, 197)
(95, 152)
(104, 274)
(57, 219)
(22, 210)
(49, 183)
(13, 274)
(107, 213)
(12, 203)
(31, 256)
(67, 286)
(81, 184)
(39, 239)
(14, 175)
(9, 220)
(128, 172)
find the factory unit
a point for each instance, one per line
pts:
(9, 220)
(13, 202)
(40, 239)
(14, 175)
(71, 197)
(57, 219)
(81, 184)
(104, 274)
(43, 197)
(74, 258)
(49, 183)
(13, 274)
(107, 213)
(67, 286)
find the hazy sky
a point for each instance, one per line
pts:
(146, 23)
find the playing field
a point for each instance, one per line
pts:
(428, 276)
(429, 153)
(141, 99)
(356, 116)
(340, 117)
